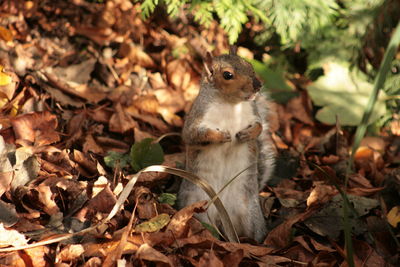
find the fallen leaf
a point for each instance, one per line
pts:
(210, 259)
(6, 35)
(39, 127)
(5, 79)
(71, 252)
(393, 216)
(146, 153)
(8, 214)
(279, 237)
(154, 224)
(38, 256)
(11, 238)
(145, 252)
(328, 221)
(321, 194)
(120, 121)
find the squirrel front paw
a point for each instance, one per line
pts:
(250, 132)
(218, 136)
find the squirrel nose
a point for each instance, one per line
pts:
(256, 84)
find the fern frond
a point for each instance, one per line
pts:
(232, 16)
(203, 12)
(147, 7)
(173, 6)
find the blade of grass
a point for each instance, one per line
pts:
(378, 85)
(225, 219)
(362, 128)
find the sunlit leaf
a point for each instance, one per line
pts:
(343, 94)
(5, 79)
(393, 216)
(5, 34)
(154, 224)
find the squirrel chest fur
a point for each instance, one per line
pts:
(226, 136)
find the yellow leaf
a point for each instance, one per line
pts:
(5, 34)
(4, 78)
(393, 216)
(154, 224)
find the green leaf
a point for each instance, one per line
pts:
(154, 224)
(274, 82)
(167, 198)
(113, 158)
(145, 153)
(343, 93)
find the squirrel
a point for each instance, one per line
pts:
(226, 134)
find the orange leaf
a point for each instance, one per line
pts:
(5, 34)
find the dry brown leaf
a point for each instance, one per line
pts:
(39, 128)
(151, 119)
(178, 222)
(147, 103)
(46, 197)
(182, 77)
(12, 259)
(138, 56)
(102, 36)
(11, 237)
(324, 258)
(366, 254)
(297, 107)
(8, 84)
(5, 34)
(146, 204)
(90, 145)
(84, 164)
(71, 252)
(112, 144)
(233, 258)
(120, 121)
(210, 259)
(6, 178)
(140, 135)
(395, 126)
(105, 248)
(145, 252)
(103, 202)
(279, 237)
(321, 194)
(38, 256)
(299, 253)
(321, 247)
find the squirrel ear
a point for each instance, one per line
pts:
(208, 65)
(233, 50)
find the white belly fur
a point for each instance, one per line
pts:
(219, 163)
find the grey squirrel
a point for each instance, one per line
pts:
(225, 133)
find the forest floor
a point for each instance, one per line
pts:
(78, 81)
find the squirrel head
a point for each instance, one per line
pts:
(232, 76)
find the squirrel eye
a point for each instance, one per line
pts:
(227, 75)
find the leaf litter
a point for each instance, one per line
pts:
(86, 87)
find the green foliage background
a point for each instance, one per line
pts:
(324, 31)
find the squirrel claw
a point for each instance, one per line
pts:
(250, 132)
(226, 137)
